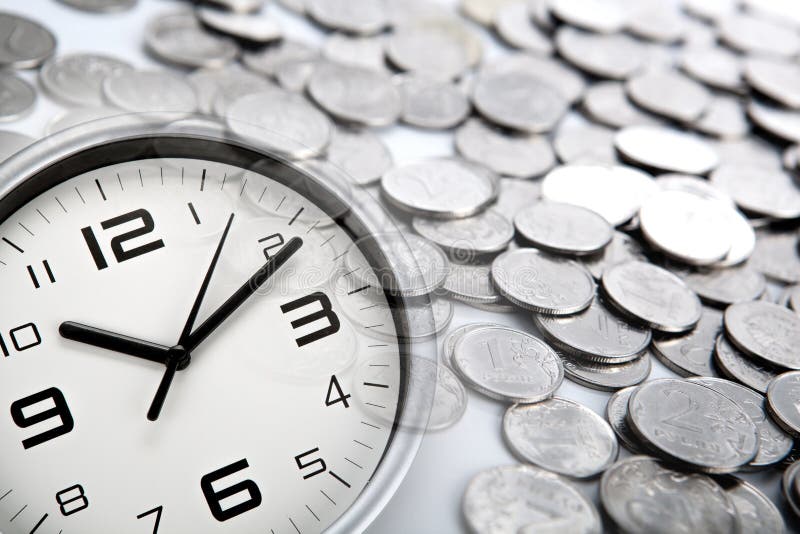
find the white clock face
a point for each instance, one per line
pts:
(263, 432)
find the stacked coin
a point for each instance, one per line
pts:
(625, 172)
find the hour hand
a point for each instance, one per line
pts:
(113, 341)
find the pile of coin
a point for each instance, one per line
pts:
(623, 172)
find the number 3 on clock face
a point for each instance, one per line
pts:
(264, 429)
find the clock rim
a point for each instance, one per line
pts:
(40, 167)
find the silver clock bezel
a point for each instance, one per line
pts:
(406, 439)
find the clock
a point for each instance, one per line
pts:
(173, 353)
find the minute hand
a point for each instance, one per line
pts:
(243, 293)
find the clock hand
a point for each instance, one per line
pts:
(179, 357)
(218, 317)
(243, 293)
(112, 341)
(187, 329)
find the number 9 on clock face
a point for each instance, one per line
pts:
(264, 427)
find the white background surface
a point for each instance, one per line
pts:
(429, 501)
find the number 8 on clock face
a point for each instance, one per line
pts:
(198, 275)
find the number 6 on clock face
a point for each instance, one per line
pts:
(266, 427)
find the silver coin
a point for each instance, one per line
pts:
(776, 256)
(737, 366)
(710, 10)
(601, 16)
(541, 283)
(720, 287)
(409, 48)
(294, 75)
(520, 156)
(617, 416)
(693, 184)
(419, 267)
(355, 95)
(361, 155)
(428, 320)
(178, 38)
(450, 340)
(748, 151)
(621, 249)
(714, 66)
(253, 28)
(515, 27)
(691, 354)
(364, 17)
(17, 97)
(239, 6)
(297, 6)
(78, 78)
(149, 91)
(793, 298)
(752, 34)
(666, 149)
(432, 104)
(790, 487)
(743, 239)
(765, 331)
(515, 195)
(769, 192)
(364, 52)
(471, 283)
(773, 443)
(217, 88)
(439, 188)
(437, 400)
(652, 295)
(585, 144)
(604, 377)
(687, 227)
(508, 365)
(523, 499)
(783, 400)
(515, 94)
(661, 23)
(616, 192)
(673, 417)
(267, 60)
(596, 335)
(283, 122)
(561, 436)
(13, 142)
(669, 93)
(561, 228)
(28, 44)
(607, 103)
(641, 495)
(778, 79)
(101, 6)
(757, 513)
(780, 122)
(465, 239)
(723, 118)
(483, 11)
(614, 56)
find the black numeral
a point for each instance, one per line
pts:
(307, 464)
(59, 410)
(272, 241)
(72, 500)
(121, 255)
(215, 497)
(334, 386)
(158, 511)
(326, 312)
(22, 338)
